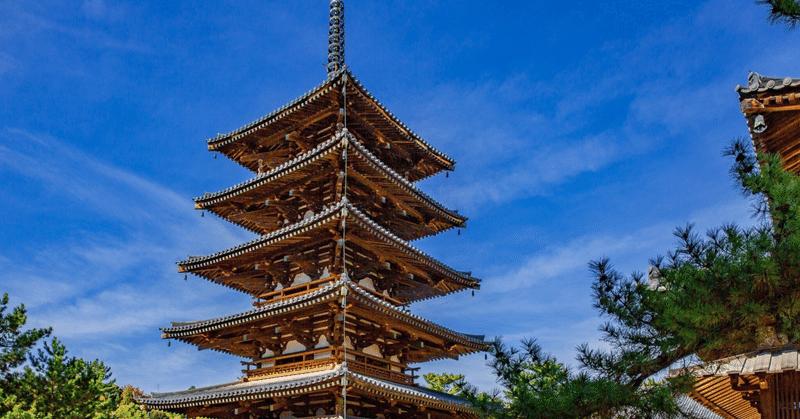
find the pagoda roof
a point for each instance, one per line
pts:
(331, 292)
(307, 104)
(241, 255)
(713, 386)
(279, 176)
(775, 103)
(302, 384)
(758, 84)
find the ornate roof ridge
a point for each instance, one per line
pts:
(365, 221)
(333, 289)
(391, 236)
(404, 182)
(335, 79)
(769, 360)
(467, 338)
(276, 172)
(264, 240)
(204, 325)
(317, 152)
(418, 392)
(433, 150)
(240, 390)
(756, 83)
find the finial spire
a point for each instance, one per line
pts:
(336, 37)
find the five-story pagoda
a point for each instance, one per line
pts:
(335, 206)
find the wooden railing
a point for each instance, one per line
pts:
(290, 292)
(293, 368)
(378, 372)
(357, 362)
(306, 364)
(298, 290)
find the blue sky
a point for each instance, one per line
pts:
(581, 130)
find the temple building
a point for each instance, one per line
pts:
(332, 272)
(764, 383)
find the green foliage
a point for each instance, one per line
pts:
(713, 296)
(14, 342)
(443, 382)
(783, 11)
(535, 385)
(736, 289)
(52, 385)
(65, 387)
(128, 409)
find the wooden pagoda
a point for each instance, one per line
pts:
(764, 383)
(334, 203)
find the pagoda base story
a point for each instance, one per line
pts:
(313, 395)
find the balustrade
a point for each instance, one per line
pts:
(302, 362)
(298, 290)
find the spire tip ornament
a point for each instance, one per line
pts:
(336, 37)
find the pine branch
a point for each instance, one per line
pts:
(783, 12)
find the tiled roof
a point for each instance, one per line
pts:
(331, 145)
(769, 361)
(713, 387)
(756, 83)
(179, 329)
(419, 393)
(300, 383)
(343, 208)
(335, 80)
(330, 291)
(289, 166)
(397, 121)
(244, 390)
(330, 82)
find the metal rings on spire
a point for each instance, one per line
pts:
(336, 37)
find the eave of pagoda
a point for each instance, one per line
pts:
(728, 386)
(307, 121)
(307, 317)
(314, 180)
(316, 243)
(777, 102)
(312, 391)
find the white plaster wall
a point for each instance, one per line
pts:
(373, 350)
(301, 278)
(323, 342)
(367, 283)
(292, 347)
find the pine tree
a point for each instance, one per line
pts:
(783, 11)
(15, 343)
(713, 296)
(66, 387)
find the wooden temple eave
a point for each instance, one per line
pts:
(277, 257)
(320, 107)
(309, 392)
(752, 385)
(305, 183)
(779, 136)
(443, 160)
(246, 334)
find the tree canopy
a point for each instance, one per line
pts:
(49, 384)
(714, 295)
(783, 11)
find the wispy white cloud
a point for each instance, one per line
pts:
(25, 23)
(94, 287)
